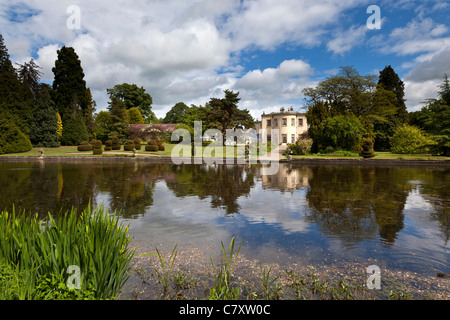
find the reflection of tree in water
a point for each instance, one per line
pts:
(354, 202)
(436, 189)
(224, 184)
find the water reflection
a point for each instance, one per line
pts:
(314, 205)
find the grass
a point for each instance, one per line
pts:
(41, 252)
(378, 155)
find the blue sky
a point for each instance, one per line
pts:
(268, 50)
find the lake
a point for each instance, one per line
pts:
(397, 217)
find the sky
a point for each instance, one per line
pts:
(267, 50)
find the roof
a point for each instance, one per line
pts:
(164, 127)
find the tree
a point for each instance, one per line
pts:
(434, 119)
(88, 114)
(68, 83)
(409, 140)
(390, 81)
(119, 117)
(224, 114)
(176, 114)
(348, 91)
(135, 116)
(341, 132)
(12, 139)
(74, 129)
(102, 125)
(44, 126)
(133, 96)
(29, 74)
(15, 97)
(315, 115)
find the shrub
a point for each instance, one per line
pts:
(97, 145)
(410, 139)
(115, 143)
(12, 139)
(137, 143)
(151, 147)
(301, 147)
(129, 145)
(85, 146)
(367, 149)
(161, 147)
(108, 145)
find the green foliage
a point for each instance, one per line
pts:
(44, 125)
(223, 287)
(135, 116)
(137, 143)
(94, 241)
(68, 83)
(224, 114)
(133, 96)
(410, 140)
(176, 114)
(97, 146)
(154, 145)
(119, 117)
(367, 149)
(12, 139)
(84, 146)
(129, 145)
(108, 145)
(166, 267)
(390, 81)
(340, 132)
(115, 143)
(102, 125)
(300, 147)
(74, 130)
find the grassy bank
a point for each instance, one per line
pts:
(71, 151)
(82, 256)
(378, 156)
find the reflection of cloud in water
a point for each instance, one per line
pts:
(274, 208)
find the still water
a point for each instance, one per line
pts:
(319, 214)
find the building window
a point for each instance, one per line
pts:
(284, 122)
(292, 138)
(284, 138)
(275, 122)
(292, 122)
(300, 122)
(268, 122)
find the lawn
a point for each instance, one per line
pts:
(378, 155)
(227, 152)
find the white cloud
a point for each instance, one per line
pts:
(345, 41)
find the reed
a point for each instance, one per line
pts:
(94, 241)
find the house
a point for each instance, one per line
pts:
(151, 131)
(291, 124)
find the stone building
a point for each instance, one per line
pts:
(291, 124)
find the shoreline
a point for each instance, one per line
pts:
(187, 160)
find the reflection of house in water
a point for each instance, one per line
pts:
(288, 178)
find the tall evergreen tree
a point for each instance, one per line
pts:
(69, 82)
(224, 114)
(29, 74)
(389, 80)
(119, 117)
(44, 126)
(15, 98)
